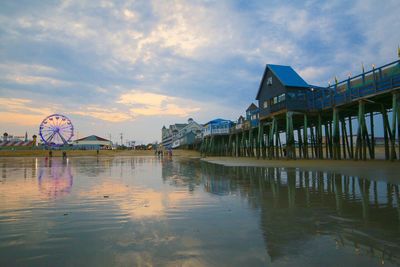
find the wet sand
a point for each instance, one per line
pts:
(374, 170)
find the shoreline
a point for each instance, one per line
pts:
(381, 170)
(92, 153)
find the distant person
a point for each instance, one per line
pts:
(64, 155)
(170, 152)
(50, 154)
(97, 152)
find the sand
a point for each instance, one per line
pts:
(102, 153)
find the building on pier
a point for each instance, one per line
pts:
(281, 88)
(253, 115)
(242, 124)
(217, 127)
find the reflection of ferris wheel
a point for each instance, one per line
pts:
(56, 130)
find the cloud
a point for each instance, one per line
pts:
(22, 111)
(105, 114)
(152, 104)
(29, 79)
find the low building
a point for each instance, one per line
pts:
(14, 142)
(217, 127)
(169, 134)
(253, 115)
(92, 142)
(181, 134)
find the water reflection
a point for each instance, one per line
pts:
(55, 178)
(296, 206)
(121, 211)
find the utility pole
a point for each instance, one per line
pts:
(121, 139)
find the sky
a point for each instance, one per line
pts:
(131, 67)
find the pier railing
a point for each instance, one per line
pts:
(370, 83)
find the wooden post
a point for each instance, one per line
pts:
(271, 139)
(312, 142)
(343, 124)
(336, 134)
(371, 122)
(300, 142)
(330, 139)
(320, 156)
(289, 136)
(346, 139)
(351, 137)
(385, 131)
(260, 141)
(327, 140)
(359, 143)
(305, 136)
(393, 135)
(264, 141)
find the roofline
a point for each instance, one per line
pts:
(265, 72)
(102, 139)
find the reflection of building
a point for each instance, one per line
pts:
(55, 179)
(299, 206)
(92, 142)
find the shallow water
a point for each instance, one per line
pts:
(141, 211)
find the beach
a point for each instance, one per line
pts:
(84, 153)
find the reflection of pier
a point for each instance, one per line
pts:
(181, 173)
(299, 205)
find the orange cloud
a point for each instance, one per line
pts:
(151, 104)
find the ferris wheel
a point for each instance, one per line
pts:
(56, 130)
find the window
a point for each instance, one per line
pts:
(265, 104)
(269, 81)
(281, 98)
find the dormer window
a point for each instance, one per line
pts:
(269, 81)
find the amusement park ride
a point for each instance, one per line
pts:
(56, 130)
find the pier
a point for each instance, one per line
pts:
(302, 121)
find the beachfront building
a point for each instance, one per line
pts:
(168, 135)
(217, 127)
(13, 142)
(92, 142)
(184, 135)
(241, 123)
(281, 89)
(253, 115)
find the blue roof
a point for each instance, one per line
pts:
(217, 121)
(287, 76)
